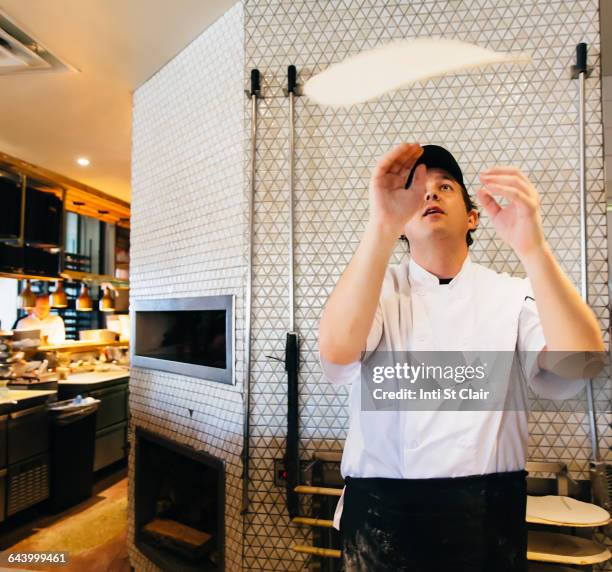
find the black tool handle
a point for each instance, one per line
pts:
(292, 457)
(581, 57)
(291, 79)
(291, 352)
(255, 82)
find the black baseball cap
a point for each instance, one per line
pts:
(436, 157)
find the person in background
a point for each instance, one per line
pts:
(50, 325)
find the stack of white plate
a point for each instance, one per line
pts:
(6, 355)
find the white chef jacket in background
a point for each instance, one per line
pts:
(479, 310)
(52, 327)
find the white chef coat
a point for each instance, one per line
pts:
(479, 310)
(52, 327)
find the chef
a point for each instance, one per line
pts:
(445, 490)
(40, 318)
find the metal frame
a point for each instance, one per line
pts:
(292, 343)
(253, 94)
(581, 71)
(224, 302)
(201, 457)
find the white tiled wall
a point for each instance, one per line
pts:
(189, 184)
(187, 240)
(509, 115)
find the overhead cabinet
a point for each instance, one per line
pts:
(43, 220)
(10, 198)
(37, 251)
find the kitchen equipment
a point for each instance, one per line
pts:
(32, 334)
(3, 440)
(26, 339)
(58, 298)
(565, 511)
(564, 549)
(600, 472)
(104, 336)
(292, 356)
(27, 298)
(372, 73)
(107, 302)
(537, 567)
(254, 94)
(7, 358)
(580, 71)
(120, 355)
(73, 434)
(27, 433)
(601, 489)
(27, 483)
(84, 303)
(119, 323)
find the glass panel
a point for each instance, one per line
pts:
(196, 337)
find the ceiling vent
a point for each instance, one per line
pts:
(20, 53)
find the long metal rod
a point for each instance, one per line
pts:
(292, 345)
(254, 94)
(584, 276)
(582, 72)
(291, 176)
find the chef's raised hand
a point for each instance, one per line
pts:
(519, 223)
(391, 205)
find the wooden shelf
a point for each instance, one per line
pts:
(81, 346)
(78, 276)
(71, 275)
(19, 276)
(325, 491)
(307, 521)
(316, 551)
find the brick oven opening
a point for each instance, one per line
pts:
(179, 503)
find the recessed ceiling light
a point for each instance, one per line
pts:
(83, 161)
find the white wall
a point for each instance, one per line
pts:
(8, 302)
(187, 239)
(524, 116)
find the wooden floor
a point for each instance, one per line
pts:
(92, 532)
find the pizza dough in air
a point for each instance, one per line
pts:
(372, 73)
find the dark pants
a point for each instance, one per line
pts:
(463, 524)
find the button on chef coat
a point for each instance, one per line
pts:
(479, 310)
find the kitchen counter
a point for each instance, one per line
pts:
(80, 345)
(23, 398)
(94, 378)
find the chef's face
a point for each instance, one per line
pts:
(443, 213)
(42, 308)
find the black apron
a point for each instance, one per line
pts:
(463, 524)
